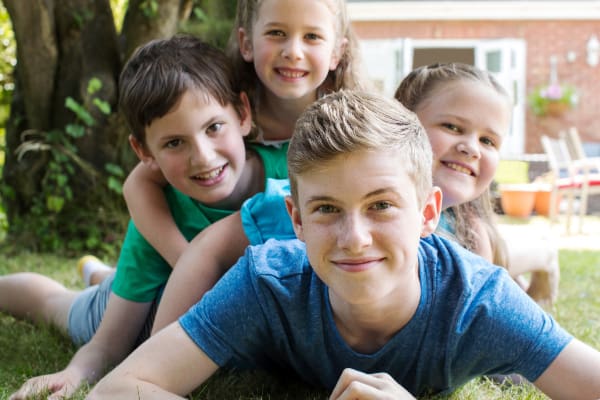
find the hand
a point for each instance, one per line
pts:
(60, 384)
(356, 385)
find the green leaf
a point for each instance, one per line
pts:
(200, 14)
(54, 203)
(103, 106)
(75, 130)
(115, 185)
(114, 169)
(94, 85)
(81, 112)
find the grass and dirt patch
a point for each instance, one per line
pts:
(27, 350)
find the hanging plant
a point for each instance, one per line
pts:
(553, 99)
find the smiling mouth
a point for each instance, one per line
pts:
(459, 168)
(357, 265)
(291, 74)
(210, 175)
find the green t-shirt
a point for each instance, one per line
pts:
(141, 271)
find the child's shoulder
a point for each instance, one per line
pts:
(450, 258)
(278, 258)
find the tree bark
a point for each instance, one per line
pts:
(61, 45)
(139, 28)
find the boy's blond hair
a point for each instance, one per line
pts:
(352, 120)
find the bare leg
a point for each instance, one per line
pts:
(36, 297)
(99, 275)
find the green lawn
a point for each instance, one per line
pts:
(27, 350)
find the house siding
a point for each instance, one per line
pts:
(543, 40)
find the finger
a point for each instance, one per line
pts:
(361, 391)
(356, 385)
(343, 381)
(65, 392)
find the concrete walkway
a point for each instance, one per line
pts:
(555, 234)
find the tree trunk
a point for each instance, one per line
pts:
(61, 46)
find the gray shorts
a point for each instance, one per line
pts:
(87, 311)
(88, 308)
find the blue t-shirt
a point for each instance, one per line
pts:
(264, 215)
(272, 311)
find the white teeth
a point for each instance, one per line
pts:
(459, 168)
(291, 74)
(210, 175)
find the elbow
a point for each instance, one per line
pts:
(109, 388)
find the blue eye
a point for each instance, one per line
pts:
(326, 209)
(312, 36)
(381, 205)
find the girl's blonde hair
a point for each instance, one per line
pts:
(415, 90)
(345, 76)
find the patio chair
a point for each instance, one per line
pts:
(570, 176)
(583, 162)
(578, 152)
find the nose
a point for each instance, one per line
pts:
(469, 146)
(201, 151)
(292, 49)
(354, 234)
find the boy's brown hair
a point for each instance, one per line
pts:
(161, 71)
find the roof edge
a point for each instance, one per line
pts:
(470, 10)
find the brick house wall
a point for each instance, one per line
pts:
(543, 40)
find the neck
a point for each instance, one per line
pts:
(276, 117)
(251, 181)
(368, 327)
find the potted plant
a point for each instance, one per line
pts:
(553, 99)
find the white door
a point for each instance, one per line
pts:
(505, 58)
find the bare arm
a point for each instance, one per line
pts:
(166, 366)
(114, 339)
(212, 252)
(143, 192)
(573, 375)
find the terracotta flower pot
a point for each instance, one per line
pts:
(556, 108)
(542, 202)
(518, 200)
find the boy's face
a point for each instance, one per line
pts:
(199, 148)
(360, 219)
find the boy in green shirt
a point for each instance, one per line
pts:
(188, 122)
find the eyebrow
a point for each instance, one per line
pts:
(374, 193)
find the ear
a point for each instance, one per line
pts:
(142, 152)
(337, 54)
(246, 114)
(294, 213)
(245, 43)
(431, 211)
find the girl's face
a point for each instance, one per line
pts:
(466, 122)
(293, 45)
